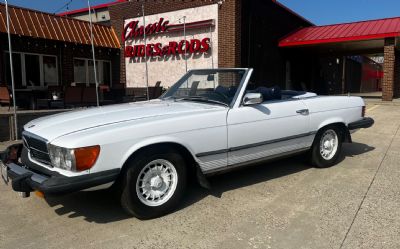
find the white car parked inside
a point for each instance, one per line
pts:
(210, 121)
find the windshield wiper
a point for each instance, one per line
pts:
(202, 99)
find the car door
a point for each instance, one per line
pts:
(267, 130)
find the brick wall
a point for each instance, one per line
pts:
(229, 18)
(229, 36)
(388, 68)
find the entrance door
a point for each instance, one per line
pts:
(267, 130)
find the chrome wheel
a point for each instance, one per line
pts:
(329, 144)
(156, 183)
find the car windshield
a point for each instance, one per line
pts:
(217, 86)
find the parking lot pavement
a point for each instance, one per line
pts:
(285, 204)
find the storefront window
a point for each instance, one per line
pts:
(50, 70)
(79, 71)
(32, 70)
(17, 69)
(84, 71)
(92, 80)
(107, 73)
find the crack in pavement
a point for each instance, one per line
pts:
(369, 187)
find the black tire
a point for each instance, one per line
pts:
(317, 159)
(130, 200)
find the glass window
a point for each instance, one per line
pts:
(84, 71)
(207, 85)
(17, 69)
(106, 73)
(91, 72)
(32, 70)
(79, 71)
(50, 70)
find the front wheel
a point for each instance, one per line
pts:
(327, 147)
(153, 185)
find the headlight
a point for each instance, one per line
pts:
(78, 159)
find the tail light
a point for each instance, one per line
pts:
(363, 112)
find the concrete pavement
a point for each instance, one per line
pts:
(285, 204)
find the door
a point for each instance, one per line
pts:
(267, 130)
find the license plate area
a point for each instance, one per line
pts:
(4, 173)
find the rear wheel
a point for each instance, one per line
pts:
(153, 184)
(327, 147)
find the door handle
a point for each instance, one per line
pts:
(303, 112)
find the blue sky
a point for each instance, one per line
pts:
(53, 5)
(323, 12)
(318, 11)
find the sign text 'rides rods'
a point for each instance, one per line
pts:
(133, 31)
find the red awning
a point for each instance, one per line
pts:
(357, 31)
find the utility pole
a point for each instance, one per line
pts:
(12, 73)
(145, 53)
(93, 53)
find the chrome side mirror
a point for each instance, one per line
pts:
(252, 99)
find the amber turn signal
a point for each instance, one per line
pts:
(39, 194)
(86, 157)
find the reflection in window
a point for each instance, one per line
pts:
(17, 69)
(50, 70)
(79, 71)
(91, 72)
(106, 73)
(32, 70)
(84, 71)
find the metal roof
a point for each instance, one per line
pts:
(356, 31)
(32, 23)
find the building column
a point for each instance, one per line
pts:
(389, 70)
(67, 65)
(396, 84)
(229, 34)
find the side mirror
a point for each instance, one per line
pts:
(252, 99)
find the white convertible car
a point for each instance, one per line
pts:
(209, 122)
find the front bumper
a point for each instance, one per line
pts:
(363, 123)
(25, 180)
(32, 177)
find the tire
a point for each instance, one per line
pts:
(153, 184)
(325, 156)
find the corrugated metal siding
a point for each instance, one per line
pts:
(37, 24)
(366, 30)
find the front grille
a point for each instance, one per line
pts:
(37, 147)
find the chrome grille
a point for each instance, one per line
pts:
(37, 147)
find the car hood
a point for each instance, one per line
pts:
(52, 127)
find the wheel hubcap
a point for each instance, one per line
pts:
(329, 144)
(157, 182)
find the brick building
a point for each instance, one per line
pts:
(241, 34)
(188, 34)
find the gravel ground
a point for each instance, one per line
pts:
(285, 204)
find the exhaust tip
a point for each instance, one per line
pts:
(24, 194)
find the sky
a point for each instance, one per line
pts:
(319, 12)
(322, 12)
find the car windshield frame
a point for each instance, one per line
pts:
(169, 94)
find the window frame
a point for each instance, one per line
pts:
(41, 67)
(99, 69)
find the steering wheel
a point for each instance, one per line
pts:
(219, 96)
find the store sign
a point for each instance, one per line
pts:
(172, 48)
(133, 31)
